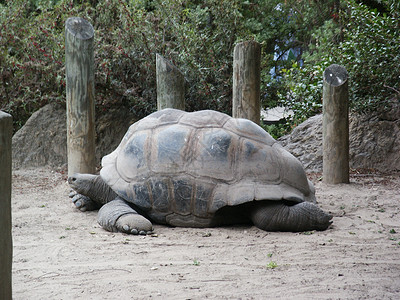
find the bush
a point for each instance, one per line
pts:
(301, 85)
(366, 43)
(284, 29)
(198, 37)
(370, 53)
(32, 55)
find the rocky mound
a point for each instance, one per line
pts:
(42, 141)
(374, 141)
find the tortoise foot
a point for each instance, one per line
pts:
(118, 215)
(83, 203)
(134, 224)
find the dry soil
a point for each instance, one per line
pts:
(62, 253)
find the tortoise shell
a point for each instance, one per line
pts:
(192, 164)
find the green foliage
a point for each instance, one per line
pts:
(32, 55)
(281, 26)
(272, 265)
(199, 37)
(196, 262)
(370, 53)
(276, 130)
(365, 43)
(302, 91)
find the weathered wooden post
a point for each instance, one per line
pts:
(335, 125)
(5, 206)
(79, 66)
(170, 85)
(246, 81)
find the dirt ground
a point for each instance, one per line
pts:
(62, 253)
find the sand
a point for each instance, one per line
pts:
(62, 253)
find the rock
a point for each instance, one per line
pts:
(374, 141)
(111, 126)
(305, 142)
(42, 141)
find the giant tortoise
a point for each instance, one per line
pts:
(199, 169)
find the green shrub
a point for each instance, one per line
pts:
(370, 53)
(197, 37)
(276, 130)
(302, 91)
(32, 55)
(366, 43)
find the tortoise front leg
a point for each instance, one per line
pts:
(83, 203)
(117, 215)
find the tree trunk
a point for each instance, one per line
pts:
(5, 207)
(79, 65)
(335, 125)
(170, 85)
(246, 81)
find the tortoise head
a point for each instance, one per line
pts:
(82, 183)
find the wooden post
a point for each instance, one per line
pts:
(246, 81)
(79, 66)
(335, 125)
(170, 85)
(5, 207)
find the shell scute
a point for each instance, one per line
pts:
(131, 158)
(182, 196)
(204, 119)
(168, 146)
(160, 194)
(259, 161)
(214, 155)
(141, 196)
(203, 196)
(248, 129)
(174, 164)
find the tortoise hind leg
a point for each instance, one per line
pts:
(117, 215)
(279, 216)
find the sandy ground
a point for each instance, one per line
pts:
(62, 253)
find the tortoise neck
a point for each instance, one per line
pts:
(101, 192)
